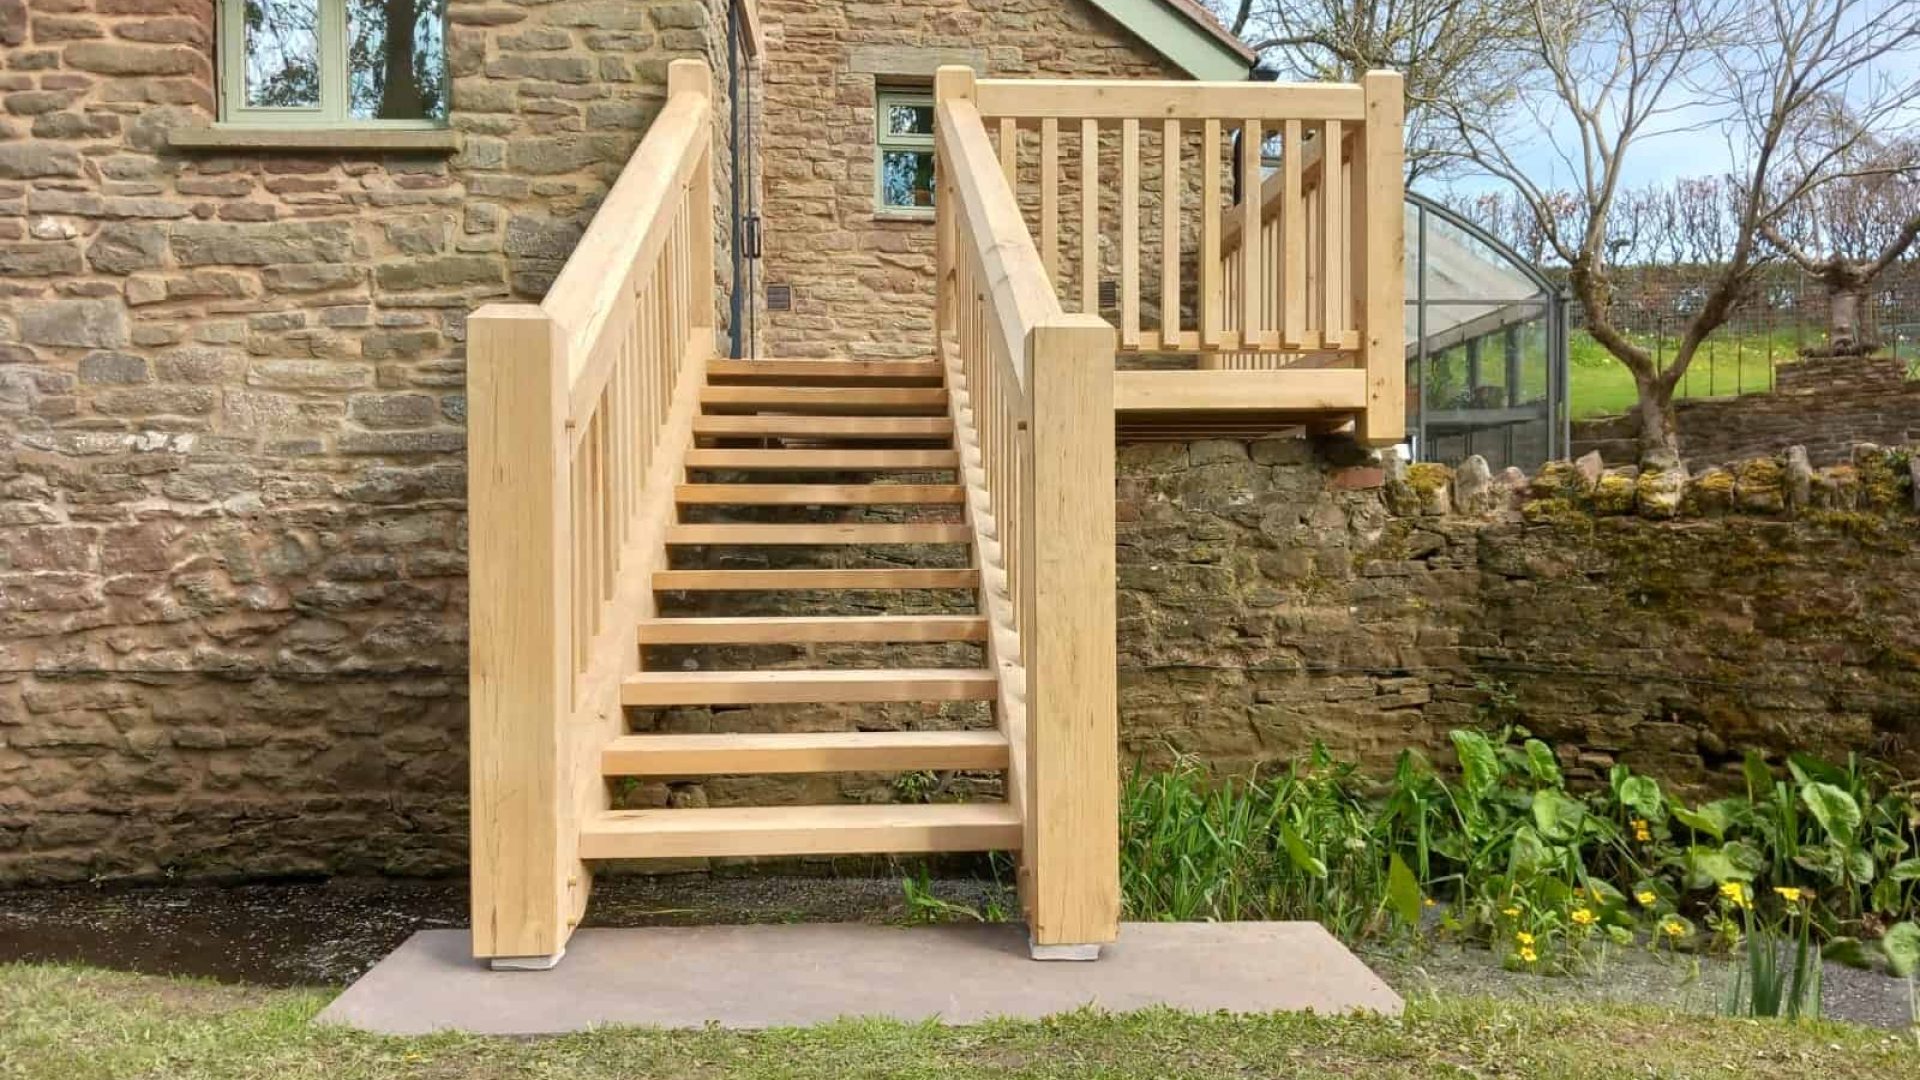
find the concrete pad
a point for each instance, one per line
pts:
(778, 976)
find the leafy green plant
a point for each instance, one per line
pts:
(1761, 986)
(923, 907)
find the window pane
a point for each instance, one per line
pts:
(397, 59)
(282, 53)
(906, 178)
(909, 118)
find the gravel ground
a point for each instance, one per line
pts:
(328, 934)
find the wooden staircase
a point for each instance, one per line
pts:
(822, 446)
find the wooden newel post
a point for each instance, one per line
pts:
(684, 77)
(527, 883)
(1380, 264)
(950, 82)
(1072, 839)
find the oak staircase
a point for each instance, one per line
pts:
(690, 573)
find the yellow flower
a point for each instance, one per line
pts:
(1788, 893)
(1583, 917)
(1646, 897)
(1511, 913)
(1735, 893)
(1528, 956)
(1523, 938)
(1673, 928)
(1641, 830)
(1429, 901)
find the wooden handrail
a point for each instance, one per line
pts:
(1031, 393)
(580, 410)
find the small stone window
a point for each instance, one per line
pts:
(903, 148)
(334, 63)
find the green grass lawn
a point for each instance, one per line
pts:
(1600, 385)
(63, 1023)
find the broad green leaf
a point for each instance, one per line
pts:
(1529, 852)
(1846, 950)
(1902, 946)
(1479, 765)
(1808, 769)
(1641, 794)
(1906, 870)
(1707, 867)
(1710, 819)
(1541, 763)
(1403, 891)
(1827, 860)
(1745, 856)
(1860, 866)
(1557, 816)
(1834, 809)
(1297, 850)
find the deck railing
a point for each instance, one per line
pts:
(1161, 172)
(579, 412)
(1032, 400)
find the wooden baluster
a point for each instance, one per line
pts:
(1090, 216)
(1332, 229)
(1170, 235)
(1378, 261)
(1251, 249)
(1010, 152)
(1211, 288)
(1316, 259)
(1293, 277)
(1050, 199)
(1130, 233)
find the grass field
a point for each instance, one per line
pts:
(64, 1023)
(1600, 385)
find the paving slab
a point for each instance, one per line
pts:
(795, 975)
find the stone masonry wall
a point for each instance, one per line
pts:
(232, 537)
(1825, 404)
(1277, 593)
(863, 283)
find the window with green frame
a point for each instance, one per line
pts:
(334, 63)
(903, 148)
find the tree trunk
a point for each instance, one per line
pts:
(1659, 427)
(1845, 304)
(400, 96)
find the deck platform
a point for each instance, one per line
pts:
(793, 975)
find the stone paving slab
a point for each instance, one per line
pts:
(778, 976)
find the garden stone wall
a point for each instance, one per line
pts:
(1825, 404)
(1277, 593)
(232, 430)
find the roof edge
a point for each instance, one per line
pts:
(1186, 34)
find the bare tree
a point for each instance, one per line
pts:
(1614, 72)
(1846, 233)
(1457, 52)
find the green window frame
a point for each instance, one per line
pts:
(312, 64)
(903, 153)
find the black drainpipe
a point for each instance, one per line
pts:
(736, 302)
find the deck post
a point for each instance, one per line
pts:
(527, 884)
(1072, 832)
(950, 81)
(1380, 263)
(693, 76)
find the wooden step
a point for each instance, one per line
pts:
(819, 494)
(830, 400)
(776, 580)
(824, 460)
(807, 686)
(824, 427)
(800, 830)
(808, 752)
(781, 630)
(825, 533)
(847, 372)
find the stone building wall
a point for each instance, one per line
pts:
(232, 537)
(863, 283)
(1273, 594)
(1824, 404)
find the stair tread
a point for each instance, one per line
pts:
(799, 830)
(828, 460)
(858, 578)
(742, 753)
(808, 685)
(826, 427)
(783, 629)
(826, 368)
(819, 494)
(821, 533)
(844, 400)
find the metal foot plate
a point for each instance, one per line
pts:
(525, 963)
(1062, 952)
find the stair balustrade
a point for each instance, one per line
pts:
(580, 410)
